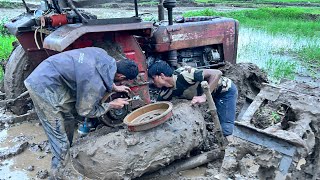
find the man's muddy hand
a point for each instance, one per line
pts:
(118, 103)
(198, 99)
(122, 88)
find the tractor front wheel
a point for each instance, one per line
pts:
(17, 70)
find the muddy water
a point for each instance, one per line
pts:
(16, 167)
(259, 47)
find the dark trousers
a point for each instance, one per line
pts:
(54, 109)
(226, 108)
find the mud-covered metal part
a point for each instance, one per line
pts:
(250, 134)
(185, 164)
(114, 117)
(296, 139)
(213, 111)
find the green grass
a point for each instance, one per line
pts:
(310, 54)
(10, 5)
(5, 43)
(300, 21)
(6, 46)
(310, 58)
(5, 49)
(279, 69)
(3, 30)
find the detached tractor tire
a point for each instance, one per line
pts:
(17, 70)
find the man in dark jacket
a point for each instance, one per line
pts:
(72, 81)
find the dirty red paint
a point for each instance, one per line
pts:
(221, 31)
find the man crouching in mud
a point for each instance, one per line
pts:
(186, 83)
(75, 80)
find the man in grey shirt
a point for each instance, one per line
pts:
(75, 82)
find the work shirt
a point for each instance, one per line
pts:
(80, 76)
(187, 84)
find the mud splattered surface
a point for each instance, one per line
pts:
(298, 125)
(125, 154)
(252, 162)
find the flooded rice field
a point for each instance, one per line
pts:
(271, 51)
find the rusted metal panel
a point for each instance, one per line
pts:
(195, 34)
(133, 51)
(61, 38)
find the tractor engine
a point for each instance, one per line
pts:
(200, 57)
(51, 29)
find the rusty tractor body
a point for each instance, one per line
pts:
(51, 30)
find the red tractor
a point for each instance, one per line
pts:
(58, 26)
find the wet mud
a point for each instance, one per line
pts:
(100, 153)
(34, 157)
(248, 79)
(125, 154)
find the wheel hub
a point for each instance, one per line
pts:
(114, 117)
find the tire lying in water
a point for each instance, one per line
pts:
(17, 70)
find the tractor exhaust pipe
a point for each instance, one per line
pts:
(172, 55)
(136, 8)
(169, 5)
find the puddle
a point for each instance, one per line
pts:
(8, 173)
(3, 135)
(261, 48)
(15, 167)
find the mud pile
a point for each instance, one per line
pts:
(248, 78)
(125, 154)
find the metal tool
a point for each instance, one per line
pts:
(134, 98)
(213, 111)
